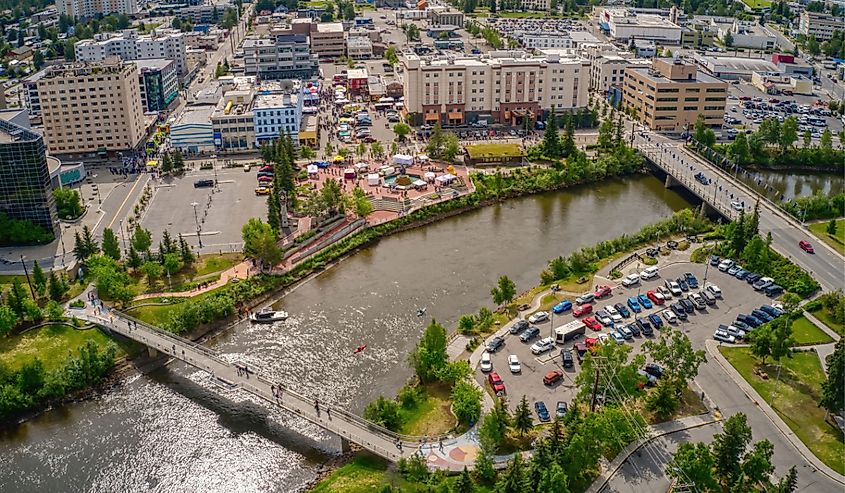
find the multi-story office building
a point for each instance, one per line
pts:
(26, 191)
(359, 47)
(448, 18)
(233, 123)
(502, 86)
(538, 5)
(285, 56)
(327, 39)
(92, 8)
(91, 107)
(624, 24)
(277, 115)
(608, 70)
(820, 25)
(128, 45)
(158, 83)
(671, 94)
(29, 86)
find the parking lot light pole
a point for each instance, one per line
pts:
(197, 221)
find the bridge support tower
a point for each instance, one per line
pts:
(345, 446)
(671, 181)
(153, 352)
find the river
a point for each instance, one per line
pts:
(174, 430)
(790, 184)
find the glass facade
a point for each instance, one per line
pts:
(25, 188)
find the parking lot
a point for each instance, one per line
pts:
(221, 210)
(737, 297)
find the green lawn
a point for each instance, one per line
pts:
(822, 314)
(757, 4)
(479, 151)
(430, 417)
(796, 400)
(805, 333)
(51, 344)
(836, 241)
(206, 269)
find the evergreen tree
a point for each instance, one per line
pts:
(484, 470)
(56, 286)
(833, 389)
(141, 240)
(515, 478)
(568, 144)
(554, 480)
(111, 247)
(133, 260)
(728, 448)
(80, 252)
(522, 420)
(464, 483)
(90, 243)
(178, 162)
(16, 297)
(831, 227)
(39, 280)
(185, 251)
(166, 161)
(551, 139)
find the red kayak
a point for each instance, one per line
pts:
(360, 348)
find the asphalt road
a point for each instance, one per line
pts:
(827, 266)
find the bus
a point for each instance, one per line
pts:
(569, 331)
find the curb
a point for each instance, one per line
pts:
(776, 420)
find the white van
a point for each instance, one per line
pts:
(649, 272)
(486, 362)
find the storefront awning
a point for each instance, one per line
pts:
(429, 117)
(456, 116)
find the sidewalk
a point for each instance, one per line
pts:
(818, 323)
(753, 396)
(241, 271)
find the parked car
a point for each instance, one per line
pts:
(542, 412)
(552, 377)
(751, 320)
(495, 344)
(740, 274)
(806, 246)
(625, 331)
(614, 313)
(673, 287)
(634, 304)
(486, 362)
(645, 302)
(663, 290)
(722, 336)
(591, 323)
(691, 280)
(763, 283)
(734, 269)
(538, 317)
(761, 315)
(653, 369)
(631, 280)
(563, 306)
(561, 409)
(617, 337)
(679, 311)
(656, 297)
(646, 329)
(604, 318)
(622, 309)
(715, 291)
(566, 358)
(519, 326)
(707, 297)
(697, 301)
(496, 383)
(742, 325)
(771, 310)
(682, 283)
(603, 292)
(714, 260)
(649, 272)
(513, 364)
(688, 305)
(262, 191)
(670, 316)
(634, 328)
(753, 277)
(725, 264)
(736, 332)
(655, 320)
(543, 345)
(530, 333)
(773, 290)
(585, 299)
(582, 310)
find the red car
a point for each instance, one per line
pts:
(496, 382)
(591, 323)
(657, 300)
(603, 291)
(264, 179)
(806, 246)
(582, 310)
(266, 169)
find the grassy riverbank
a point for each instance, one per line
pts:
(836, 241)
(795, 398)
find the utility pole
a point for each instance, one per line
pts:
(595, 390)
(28, 281)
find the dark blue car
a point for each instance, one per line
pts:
(656, 320)
(563, 306)
(691, 280)
(542, 412)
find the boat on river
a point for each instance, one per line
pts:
(267, 316)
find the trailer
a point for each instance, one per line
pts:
(569, 331)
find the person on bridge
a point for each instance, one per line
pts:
(317, 406)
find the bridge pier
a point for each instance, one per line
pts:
(153, 352)
(671, 181)
(345, 446)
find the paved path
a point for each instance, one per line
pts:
(242, 270)
(454, 454)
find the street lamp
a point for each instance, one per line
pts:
(197, 221)
(122, 236)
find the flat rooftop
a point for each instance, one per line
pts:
(195, 115)
(152, 63)
(700, 77)
(735, 64)
(330, 27)
(263, 101)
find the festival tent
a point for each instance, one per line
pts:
(373, 179)
(349, 174)
(403, 159)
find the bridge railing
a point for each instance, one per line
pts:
(356, 420)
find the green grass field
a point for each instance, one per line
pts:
(836, 241)
(796, 400)
(757, 4)
(825, 316)
(430, 417)
(478, 151)
(51, 344)
(207, 269)
(805, 333)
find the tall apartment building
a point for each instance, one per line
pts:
(277, 115)
(92, 8)
(285, 56)
(671, 94)
(820, 25)
(129, 45)
(502, 86)
(25, 188)
(608, 70)
(538, 5)
(91, 107)
(158, 83)
(327, 39)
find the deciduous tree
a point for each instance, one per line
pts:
(430, 356)
(833, 389)
(466, 402)
(504, 291)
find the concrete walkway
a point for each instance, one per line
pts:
(242, 270)
(713, 352)
(818, 323)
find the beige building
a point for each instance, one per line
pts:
(501, 86)
(327, 39)
(91, 107)
(820, 25)
(608, 70)
(671, 94)
(232, 121)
